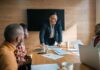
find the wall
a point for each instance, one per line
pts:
(97, 11)
(77, 12)
(86, 21)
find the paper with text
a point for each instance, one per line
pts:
(52, 56)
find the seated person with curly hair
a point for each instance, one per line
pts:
(23, 60)
(96, 39)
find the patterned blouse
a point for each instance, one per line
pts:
(20, 52)
(96, 40)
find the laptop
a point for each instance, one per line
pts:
(90, 56)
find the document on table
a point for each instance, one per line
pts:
(76, 53)
(45, 67)
(73, 50)
(51, 47)
(57, 50)
(60, 51)
(52, 56)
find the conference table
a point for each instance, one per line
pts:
(38, 59)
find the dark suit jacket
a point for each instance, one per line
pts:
(46, 30)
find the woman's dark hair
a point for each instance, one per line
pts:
(23, 25)
(97, 29)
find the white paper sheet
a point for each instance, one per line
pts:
(57, 50)
(77, 43)
(75, 51)
(60, 51)
(65, 66)
(45, 67)
(52, 56)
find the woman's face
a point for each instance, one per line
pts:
(53, 19)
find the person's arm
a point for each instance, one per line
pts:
(9, 62)
(41, 35)
(59, 30)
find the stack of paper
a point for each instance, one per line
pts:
(52, 56)
(57, 50)
(77, 44)
(60, 51)
(76, 51)
(51, 47)
(73, 50)
(45, 67)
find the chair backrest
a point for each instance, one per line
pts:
(90, 56)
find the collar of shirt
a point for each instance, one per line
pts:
(52, 26)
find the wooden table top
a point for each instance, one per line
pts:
(71, 58)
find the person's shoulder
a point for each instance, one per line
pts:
(3, 48)
(5, 51)
(59, 22)
(5, 54)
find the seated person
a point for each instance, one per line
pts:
(96, 39)
(51, 31)
(13, 35)
(23, 60)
